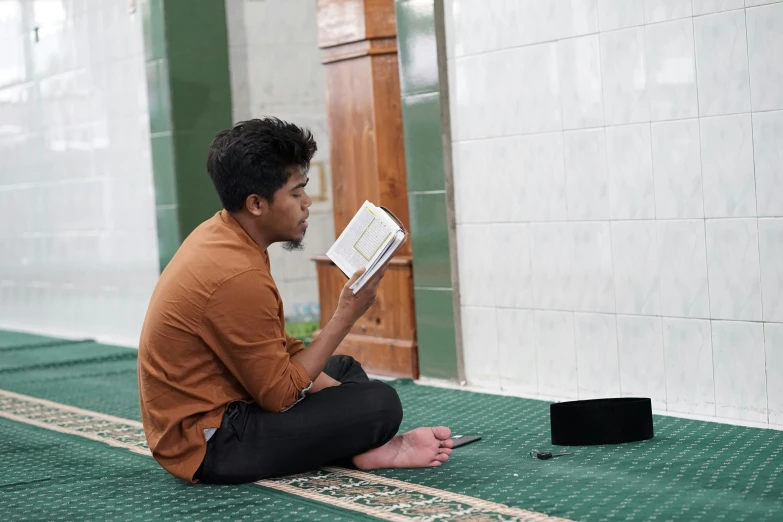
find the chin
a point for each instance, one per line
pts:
(293, 245)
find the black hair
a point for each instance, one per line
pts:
(255, 157)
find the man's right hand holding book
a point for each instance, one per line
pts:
(350, 308)
(353, 307)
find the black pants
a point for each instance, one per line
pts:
(328, 427)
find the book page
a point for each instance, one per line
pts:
(372, 239)
(393, 225)
(391, 248)
(362, 240)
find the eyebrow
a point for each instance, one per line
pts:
(302, 185)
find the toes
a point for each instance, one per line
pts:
(448, 443)
(441, 432)
(434, 464)
(442, 457)
(445, 451)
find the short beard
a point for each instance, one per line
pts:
(294, 246)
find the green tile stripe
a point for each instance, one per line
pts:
(435, 333)
(428, 199)
(423, 146)
(430, 239)
(189, 92)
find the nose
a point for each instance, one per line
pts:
(306, 201)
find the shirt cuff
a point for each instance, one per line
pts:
(302, 395)
(301, 378)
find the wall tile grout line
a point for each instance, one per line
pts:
(704, 211)
(652, 122)
(593, 33)
(756, 194)
(582, 221)
(611, 228)
(560, 310)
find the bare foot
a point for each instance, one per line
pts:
(419, 448)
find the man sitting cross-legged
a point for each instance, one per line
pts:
(226, 395)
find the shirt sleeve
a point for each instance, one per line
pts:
(242, 325)
(293, 345)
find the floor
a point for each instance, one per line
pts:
(72, 448)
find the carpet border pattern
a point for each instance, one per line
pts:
(373, 495)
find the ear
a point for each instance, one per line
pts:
(256, 205)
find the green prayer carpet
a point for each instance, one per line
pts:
(50, 476)
(691, 470)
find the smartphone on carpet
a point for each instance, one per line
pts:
(461, 440)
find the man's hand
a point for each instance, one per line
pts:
(323, 381)
(351, 307)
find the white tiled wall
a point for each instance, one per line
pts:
(618, 172)
(276, 70)
(78, 244)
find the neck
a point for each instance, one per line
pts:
(248, 224)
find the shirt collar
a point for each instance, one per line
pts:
(234, 225)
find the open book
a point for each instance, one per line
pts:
(372, 237)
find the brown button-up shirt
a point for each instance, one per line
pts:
(214, 333)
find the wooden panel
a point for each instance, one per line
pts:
(392, 315)
(358, 39)
(346, 21)
(365, 133)
(340, 21)
(379, 18)
(330, 283)
(390, 152)
(352, 137)
(359, 49)
(387, 357)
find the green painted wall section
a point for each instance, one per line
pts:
(189, 91)
(427, 197)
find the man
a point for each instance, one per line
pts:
(226, 395)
